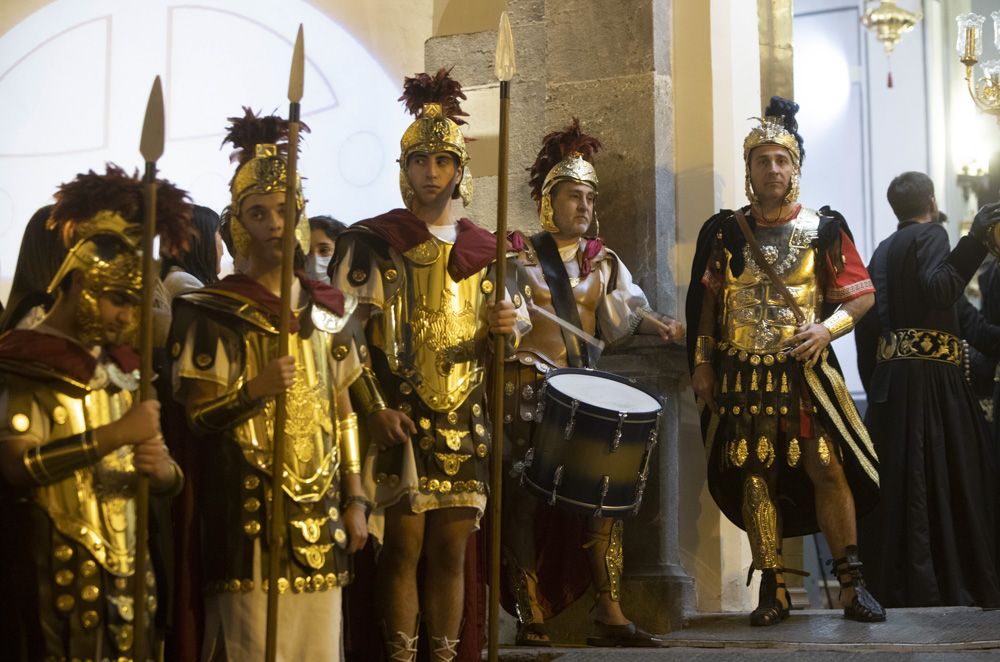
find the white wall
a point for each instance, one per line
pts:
(75, 76)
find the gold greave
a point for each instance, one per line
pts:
(401, 647)
(760, 518)
(367, 392)
(613, 555)
(523, 584)
(58, 459)
(444, 649)
(224, 412)
(350, 444)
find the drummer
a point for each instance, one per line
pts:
(549, 556)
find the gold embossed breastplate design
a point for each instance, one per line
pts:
(432, 332)
(755, 316)
(95, 506)
(311, 452)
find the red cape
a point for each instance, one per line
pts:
(475, 248)
(61, 355)
(325, 295)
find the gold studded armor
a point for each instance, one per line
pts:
(224, 339)
(434, 332)
(760, 385)
(755, 315)
(770, 410)
(428, 336)
(83, 525)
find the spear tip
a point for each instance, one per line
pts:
(295, 79)
(151, 142)
(503, 63)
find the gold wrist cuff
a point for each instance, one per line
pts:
(367, 394)
(704, 350)
(350, 443)
(839, 324)
(57, 459)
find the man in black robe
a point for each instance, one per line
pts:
(932, 540)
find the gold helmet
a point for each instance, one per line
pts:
(434, 102)
(99, 218)
(261, 145)
(566, 155)
(778, 127)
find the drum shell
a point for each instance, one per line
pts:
(589, 454)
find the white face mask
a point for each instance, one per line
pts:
(317, 266)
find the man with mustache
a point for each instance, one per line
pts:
(582, 281)
(787, 452)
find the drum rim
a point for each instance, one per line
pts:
(579, 504)
(594, 410)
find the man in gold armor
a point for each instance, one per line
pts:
(424, 284)
(787, 451)
(71, 441)
(580, 280)
(227, 373)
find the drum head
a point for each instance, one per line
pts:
(593, 387)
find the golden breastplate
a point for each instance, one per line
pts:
(545, 340)
(311, 457)
(96, 505)
(755, 316)
(432, 331)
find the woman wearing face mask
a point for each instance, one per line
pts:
(323, 231)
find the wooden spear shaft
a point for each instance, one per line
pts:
(141, 616)
(496, 478)
(504, 67)
(276, 526)
(151, 148)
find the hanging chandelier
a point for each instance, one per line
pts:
(888, 22)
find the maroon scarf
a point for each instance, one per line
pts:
(325, 295)
(60, 354)
(475, 248)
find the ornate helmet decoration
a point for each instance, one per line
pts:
(261, 145)
(435, 103)
(566, 155)
(779, 127)
(99, 218)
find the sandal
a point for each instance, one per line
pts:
(532, 634)
(769, 609)
(864, 608)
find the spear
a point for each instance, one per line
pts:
(277, 523)
(504, 68)
(151, 148)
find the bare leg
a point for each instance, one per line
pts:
(396, 579)
(834, 500)
(835, 513)
(447, 536)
